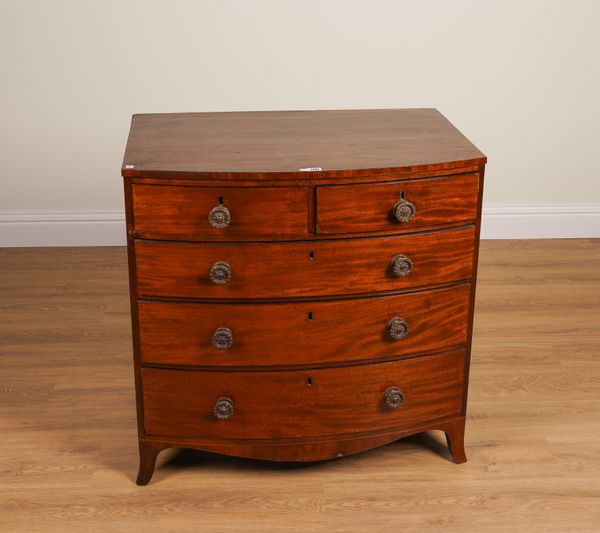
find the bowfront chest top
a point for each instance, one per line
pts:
(302, 282)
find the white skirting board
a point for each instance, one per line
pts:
(539, 221)
(62, 229)
(500, 221)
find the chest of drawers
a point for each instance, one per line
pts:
(302, 283)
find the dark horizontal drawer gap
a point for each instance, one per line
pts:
(316, 298)
(291, 368)
(318, 238)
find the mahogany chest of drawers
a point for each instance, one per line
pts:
(302, 283)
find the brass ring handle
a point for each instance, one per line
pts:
(401, 265)
(219, 217)
(220, 272)
(222, 338)
(397, 328)
(223, 408)
(404, 210)
(393, 397)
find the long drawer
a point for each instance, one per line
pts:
(280, 334)
(279, 404)
(397, 205)
(303, 269)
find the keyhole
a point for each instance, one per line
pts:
(309, 382)
(310, 316)
(403, 195)
(311, 255)
(220, 200)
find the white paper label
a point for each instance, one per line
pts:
(311, 169)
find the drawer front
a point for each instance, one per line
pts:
(270, 270)
(279, 334)
(220, 213)
(399, 205)
(280, 404)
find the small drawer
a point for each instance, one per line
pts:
(398, 205)
(219, 213)
(302, 333)
(303, 269)
(283, 404)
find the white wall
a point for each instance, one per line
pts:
(520, 78)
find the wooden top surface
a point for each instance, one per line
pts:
(277, 144)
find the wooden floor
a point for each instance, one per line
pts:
(68, 449)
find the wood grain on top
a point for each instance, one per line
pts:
(272, 144)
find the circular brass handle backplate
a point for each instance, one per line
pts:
(394, 397)
(404, 210)
(223, 409)
(401, 265)
(397, 328)
(222, 338)
(219, 217)
(220, 272)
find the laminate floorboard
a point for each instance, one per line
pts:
(68, 447)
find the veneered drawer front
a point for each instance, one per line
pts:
(182, 213)
(279, 334)
(302, 269)
(280, 404)
(370, 207)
